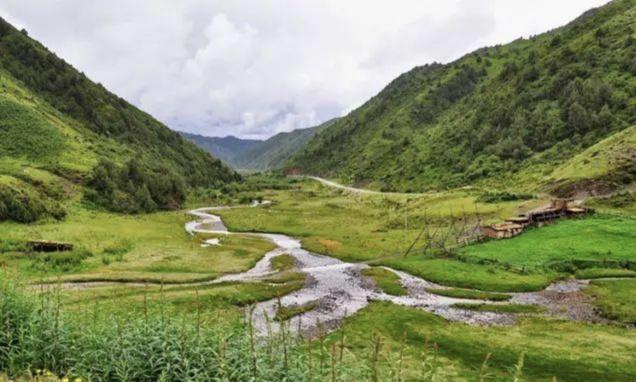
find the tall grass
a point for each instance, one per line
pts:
(36, 334)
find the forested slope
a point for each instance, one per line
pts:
(62, 135)
(541, 100)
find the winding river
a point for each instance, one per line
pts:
(338, 289)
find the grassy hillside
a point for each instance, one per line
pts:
(541, 100)
(227, 148)
(59, 132)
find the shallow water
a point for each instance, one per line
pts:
(338, 288)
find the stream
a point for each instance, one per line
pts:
(338, 289)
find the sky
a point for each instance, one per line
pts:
(254, 68)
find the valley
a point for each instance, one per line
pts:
(326, 284)
(473, 221)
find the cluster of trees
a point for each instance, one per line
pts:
(447, 93)
(26, 207)
(135, 187)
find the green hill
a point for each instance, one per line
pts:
(493, 112)
(60, 132)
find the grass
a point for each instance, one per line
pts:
(470, 294)
(596, 238)
(599, 159)
(616, 299)
(151, 247)
(368, 226)
(142, 344)
(386, 280)
(211, 299)
(455, 273)
(569, 351)
(283, 262)
(598, 273)
(501, 308)
(284, 313)
(380, 228)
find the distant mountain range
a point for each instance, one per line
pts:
(257, 155)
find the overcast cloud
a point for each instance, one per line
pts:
(253, 68)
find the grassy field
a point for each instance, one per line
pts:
(151, 247)
(369, 226)
(381, 228)
(460, 274)
(616, 299)
(597, 238)
(570, 351)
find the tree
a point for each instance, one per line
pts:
(578, 118)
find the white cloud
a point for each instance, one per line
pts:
(253, 68)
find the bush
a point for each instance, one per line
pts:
(26, 207)
(497, 197)
(63, 261)
(135, 187)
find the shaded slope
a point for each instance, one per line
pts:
(486, 114)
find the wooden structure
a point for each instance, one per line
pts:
(502, 230)
(513, 226)
(48, 246)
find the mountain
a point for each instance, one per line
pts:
(62, 135)
(228, 149)
(491, 113)
(274, 152)
(249, 154)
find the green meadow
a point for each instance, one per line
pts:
(147, 265)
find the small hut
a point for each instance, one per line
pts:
(48, 246)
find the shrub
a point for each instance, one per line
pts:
(497, 197)
(135, 187)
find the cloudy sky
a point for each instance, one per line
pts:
(253, 68)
